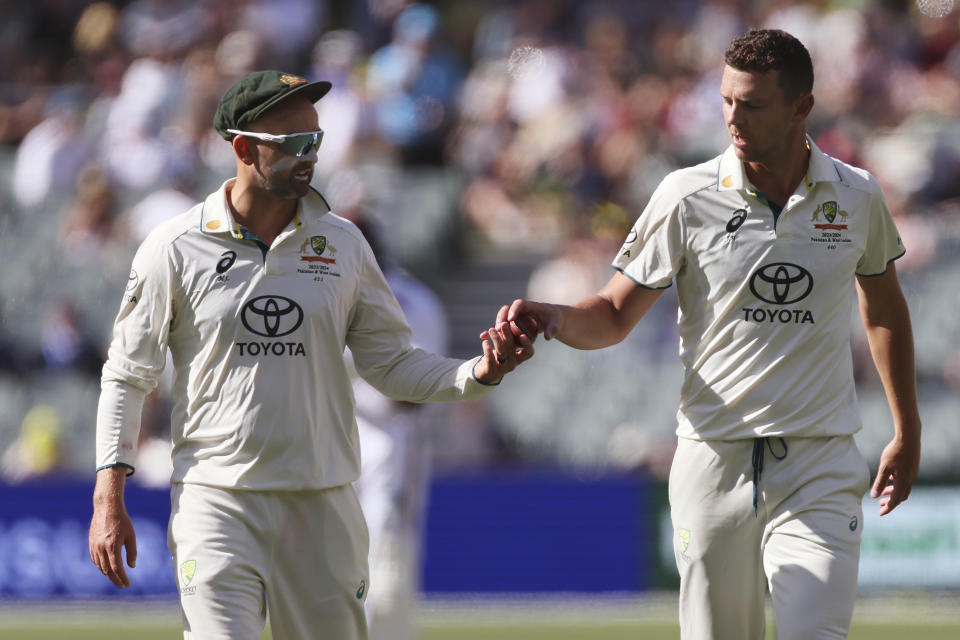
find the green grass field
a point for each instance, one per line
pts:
(651, 618)
(532, 631)
(47, 630)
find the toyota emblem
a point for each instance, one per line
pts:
(271, 316)
(781, 283)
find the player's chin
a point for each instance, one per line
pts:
(290, 191)
(745, 154)
(300, 186)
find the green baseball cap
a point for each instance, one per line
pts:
(256, 92)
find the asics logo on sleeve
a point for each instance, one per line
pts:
(132, 280)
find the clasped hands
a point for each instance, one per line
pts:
(507, 344)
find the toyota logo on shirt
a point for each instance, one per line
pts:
(781, 283)
(271, 316)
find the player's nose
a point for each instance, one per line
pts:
(733, 115)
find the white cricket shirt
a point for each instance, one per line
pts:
(765, 305)
(262, 395)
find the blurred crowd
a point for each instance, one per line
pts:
(521, 137)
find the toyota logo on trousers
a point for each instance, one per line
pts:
(271, 316)
(781, 283)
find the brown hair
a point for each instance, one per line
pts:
(762, 50)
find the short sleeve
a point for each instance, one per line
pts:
(883, 240)
(654, 249)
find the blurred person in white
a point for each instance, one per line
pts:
(335, 57)
(142, 141)
(136, 144)
(52, 153)
(159, 27)
(395, 468)
(257, 291)
(287, 28)
(766, 243)
(156, 207)
(165, 201)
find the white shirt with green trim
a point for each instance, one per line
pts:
(765, 302)
(262, 396)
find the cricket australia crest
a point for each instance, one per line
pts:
(311, 252)
(188, 569)
(830, 210)
(318, 244)
(683, 539)
(832, 230)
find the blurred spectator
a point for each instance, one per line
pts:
(341, 112)
(138, 148)
(160, 28)
(37, 451)
(87, 228)
(52, 153)
(155, 208)
(66, 345)
(288, 27)
(413, 82)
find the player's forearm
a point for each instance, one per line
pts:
(108, 491)
(891, 345)
(592, 323)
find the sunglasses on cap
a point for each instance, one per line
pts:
(294, 144)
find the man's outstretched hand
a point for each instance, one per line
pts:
(505, 346)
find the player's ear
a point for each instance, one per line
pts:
(243, 149)
(803, 105)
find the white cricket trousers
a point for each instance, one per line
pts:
(802, 542)
(299, 555)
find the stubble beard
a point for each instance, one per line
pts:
(283, 185)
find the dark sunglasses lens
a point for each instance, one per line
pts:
(300, 145)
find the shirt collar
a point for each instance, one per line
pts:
(731, 175)
(217, 218)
